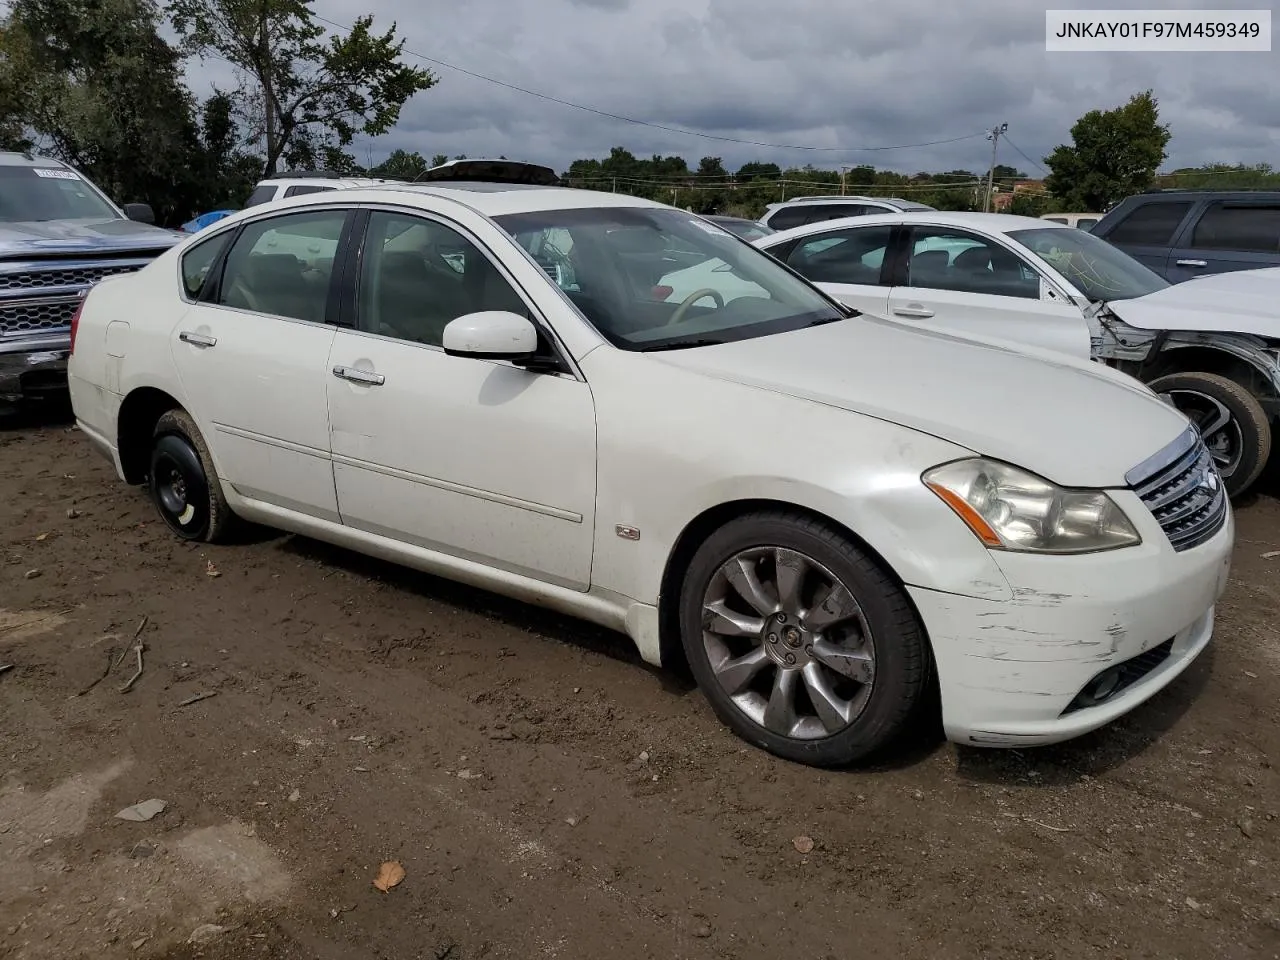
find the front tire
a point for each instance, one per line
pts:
(801, 642)
(1231, 422)
(183, 483)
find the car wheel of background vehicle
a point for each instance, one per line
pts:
(1230, 420)
(800, 641)
(183, 484)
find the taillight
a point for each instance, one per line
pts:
(75, 322)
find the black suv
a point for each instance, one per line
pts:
(1182, 234)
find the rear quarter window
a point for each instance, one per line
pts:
(197, 261)
(1150, 224)
(263, 194)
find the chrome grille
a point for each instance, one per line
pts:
(1182, 489)
(72, 277)
(28, 316)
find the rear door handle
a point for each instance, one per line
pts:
(363, 377)
(1193, 263)
(197, 339)
(913, 310)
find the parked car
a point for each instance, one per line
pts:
(1182, 234)
(1209, 351)
(1082, 221)
(805, 210)
(299, 183)
(821, 512)
(58, 234)
(742, 227)
(196, 224)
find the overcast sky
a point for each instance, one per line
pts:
(811, 73)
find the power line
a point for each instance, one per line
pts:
(1018, 150)
(660, 126)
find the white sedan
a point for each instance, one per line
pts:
(1212, 348)
(820, 512)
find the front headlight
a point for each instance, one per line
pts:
(1011, 509)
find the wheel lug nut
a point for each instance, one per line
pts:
(782, 618)
(773, 638)
(791, 658)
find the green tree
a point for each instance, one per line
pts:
(310, 94)
(1114, 153)
(93, 83)
(439, 158)
(401, 165)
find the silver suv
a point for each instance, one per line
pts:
(805, 210)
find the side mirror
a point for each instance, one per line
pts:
(491, 335)
(141, 212)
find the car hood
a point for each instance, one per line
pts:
(1242, 301)
(55, 237)
(1069, 423)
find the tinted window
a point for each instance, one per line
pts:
(417, 275)
(1057, 219)
(1086, 223)
(656, 278)
(837, 211)
(262, 194)
(49, 193)
(282, 265)
(1151, 224)
(1238, 227)
(789, 217)
(1092, 265)
(197, 261)
(945, 259)
(301, 190)
(844, 256)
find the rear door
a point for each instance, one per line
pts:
(1148, 231)
(971, 284)
(1228, 235)
(849, 264)
(251, 352)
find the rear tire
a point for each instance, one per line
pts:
(1231, 422)
(801, 642)
(183, 483)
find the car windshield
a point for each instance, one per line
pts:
(49, 193)
(658, 279)
(1093, 266)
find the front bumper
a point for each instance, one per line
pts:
(33, 366)
(1012, 672)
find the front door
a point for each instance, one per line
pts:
(479, 459)
(251, 354)
(971, 285)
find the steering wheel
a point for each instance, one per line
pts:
(693, 298)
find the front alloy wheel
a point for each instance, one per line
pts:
(788, 643)
(802, 643)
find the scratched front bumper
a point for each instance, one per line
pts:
(1009, 669)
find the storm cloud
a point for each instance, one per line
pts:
(843, 80)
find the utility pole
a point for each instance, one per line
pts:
(994, 137)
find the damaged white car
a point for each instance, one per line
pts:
(1211, 347)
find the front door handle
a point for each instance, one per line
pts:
(362, 377)
(197, 339)
(1193, 263)
(913, 310)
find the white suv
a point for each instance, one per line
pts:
(299, 184)
(806, 210)
(821, 512)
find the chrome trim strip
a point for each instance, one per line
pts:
(1163, 459)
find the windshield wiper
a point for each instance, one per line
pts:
(681, 344)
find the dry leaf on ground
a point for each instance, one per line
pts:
(389, 875)
(803, 844)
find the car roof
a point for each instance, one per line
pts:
(10, 159)
(486, 198)
(990, 222)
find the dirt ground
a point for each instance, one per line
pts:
(546, 793)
